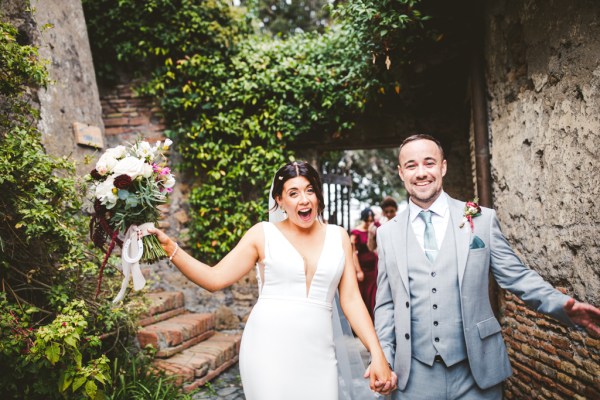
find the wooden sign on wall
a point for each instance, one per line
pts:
(88, 135)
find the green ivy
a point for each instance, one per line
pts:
(385, 27)
(20, 68)
(139, 35)
(267, 95)
(235, 101)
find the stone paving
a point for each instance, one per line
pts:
(227, 386)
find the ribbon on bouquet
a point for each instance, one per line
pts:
(131, 253)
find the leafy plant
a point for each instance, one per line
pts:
(384, 27)
(134, 378)
(50, 323)
(20, 67)
(58, 348)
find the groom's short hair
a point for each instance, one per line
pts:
(421, 136)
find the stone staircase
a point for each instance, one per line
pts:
(187, 345)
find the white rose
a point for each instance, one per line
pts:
(106, 163)
(169, 181)
(104, 192)
(117, 152)
(131, 166)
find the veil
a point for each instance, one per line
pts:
(275, 214)
(351, 384)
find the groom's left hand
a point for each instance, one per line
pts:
(584, 315)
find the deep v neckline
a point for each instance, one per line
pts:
(307, 284)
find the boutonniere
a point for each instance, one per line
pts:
(472, 210)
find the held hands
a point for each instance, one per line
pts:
(584, 315)
(382, 379)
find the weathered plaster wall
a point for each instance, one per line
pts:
(73, 94)
(543, 71)
(543, 66)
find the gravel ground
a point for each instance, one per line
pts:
(227, 386)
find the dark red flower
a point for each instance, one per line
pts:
(99, 237)
(122, 181)
(96, 175)
(98, 207)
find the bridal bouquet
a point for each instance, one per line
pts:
(128, 184)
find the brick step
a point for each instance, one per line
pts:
(202, 362)
(163, 305)
(177, 333)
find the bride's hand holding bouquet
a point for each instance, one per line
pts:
(128, 185)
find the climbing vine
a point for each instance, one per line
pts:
(235, 101)
(388, 30)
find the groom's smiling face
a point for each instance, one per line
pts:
(422, 168)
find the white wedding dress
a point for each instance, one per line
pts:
(287, 350)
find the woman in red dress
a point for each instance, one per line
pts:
(365, 260)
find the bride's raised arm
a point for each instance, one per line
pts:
(226, 272)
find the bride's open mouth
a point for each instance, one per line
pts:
(305, 214)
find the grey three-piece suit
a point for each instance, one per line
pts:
(427, 309)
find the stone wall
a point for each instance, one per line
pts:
(543, 72)
(73, 95)
(58, 29)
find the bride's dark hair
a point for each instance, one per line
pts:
(292, 170)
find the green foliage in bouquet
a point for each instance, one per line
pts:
(128, 185)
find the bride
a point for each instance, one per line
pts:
(287, 349)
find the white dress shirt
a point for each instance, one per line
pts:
(440, 216)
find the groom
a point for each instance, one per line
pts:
(433, 314)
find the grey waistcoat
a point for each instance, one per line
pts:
(437, 326)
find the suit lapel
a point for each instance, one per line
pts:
(400, 246)
(462, 236)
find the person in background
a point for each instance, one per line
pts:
(365, 260)
(389, 208)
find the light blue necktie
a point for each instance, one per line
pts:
(429, 242)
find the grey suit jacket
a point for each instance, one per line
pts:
(486, 350)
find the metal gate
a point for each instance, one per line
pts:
(337, 185)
